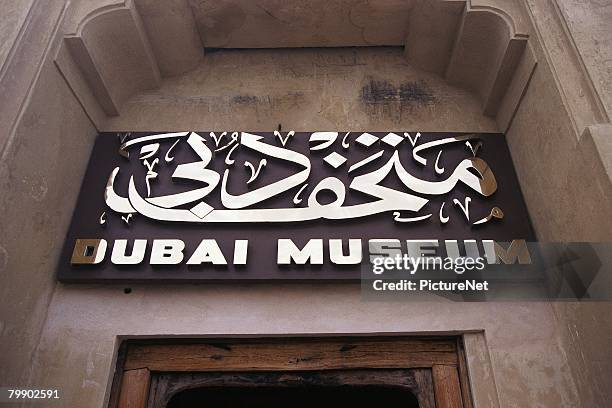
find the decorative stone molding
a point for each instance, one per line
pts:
(486, 54)
(597, 140)
(172, 32)
(23, 63)
(476, 45)
(112, 51)
(516, 88)
(124, 48)
(578, 91)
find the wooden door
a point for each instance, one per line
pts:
(150, 373)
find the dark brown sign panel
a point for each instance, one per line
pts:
(196, 206)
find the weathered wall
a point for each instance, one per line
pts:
(589, 24)
(14, 14)
(566, 188)
(529, 364)
(550, 142)
(40, 176)
(304, 89)
(65, 335)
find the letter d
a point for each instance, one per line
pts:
(88, 251)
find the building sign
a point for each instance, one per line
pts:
(191, 206)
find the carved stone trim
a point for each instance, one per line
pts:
(486, 54)
(112, 51)
(579, 95)
(478, 46)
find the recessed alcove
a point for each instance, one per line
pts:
(128, 49)
(340, 88)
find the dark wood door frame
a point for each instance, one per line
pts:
(442, 355)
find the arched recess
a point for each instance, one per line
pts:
(119, 50)
(485, 55)
(476, 45)
(114, 53)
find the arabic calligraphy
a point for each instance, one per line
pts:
(212, 199)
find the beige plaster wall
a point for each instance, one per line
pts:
(40, 176)
(64, 335)
(566, 189)
(589, 24)
(304, 89)
(564, 180)
(529, 366)
(14, 14)
(579, 192)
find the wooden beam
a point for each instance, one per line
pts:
(118, 376)
(464, 379)
(446, 387)
(135, 388)
(290, 355)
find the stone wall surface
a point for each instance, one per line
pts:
(580, 184)
(14, 15)
(585, 328)
(529, 364)
(40, 177)
(309, 89)
(542, 355)
(589, 24)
